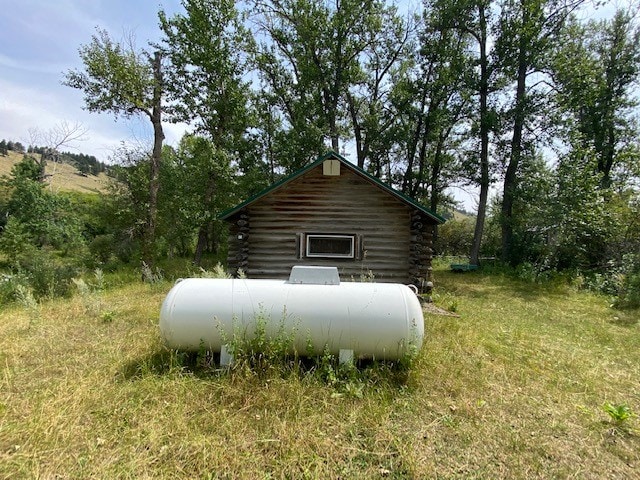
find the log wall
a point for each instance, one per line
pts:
(264, 237)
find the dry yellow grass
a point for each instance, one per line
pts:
(61, 176)
(512, 388)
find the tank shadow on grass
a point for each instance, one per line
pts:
(351, 379)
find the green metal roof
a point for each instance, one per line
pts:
(376, 181)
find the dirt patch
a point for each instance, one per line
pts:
(435, 310)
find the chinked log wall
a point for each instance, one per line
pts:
(396, 239)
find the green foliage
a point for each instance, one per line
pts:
(206, 82)
(564, 221)
(597, 65)
(89, 209)
(455, 236)
(86, 164)
(15, 238)
(103, 248)
(624, 282)
(26, 169)
(42, 238)
(619, 413)
(309, 63)
(116, 77)
(9, 286)
(263, 352)
(123, 210)
(196, 184)
(150, 275)
(46, 273)
(36, 216)
(535, 212)
(119, 79)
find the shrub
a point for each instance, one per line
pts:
(627, 281)
(10, 285)
(260, 352)
(45, 273)
(455, 237)
(102, 248)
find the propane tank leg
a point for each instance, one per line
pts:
(226, 358)
(345, 356)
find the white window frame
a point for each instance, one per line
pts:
(310, 236)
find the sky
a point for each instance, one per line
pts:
(39, 42)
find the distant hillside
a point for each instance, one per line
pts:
(61, 176)
(456, 214)
(461, 214)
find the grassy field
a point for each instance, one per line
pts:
(61, 176)
(513, 387)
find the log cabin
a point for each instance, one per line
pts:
(333, 213)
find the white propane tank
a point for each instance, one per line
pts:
(368, 320)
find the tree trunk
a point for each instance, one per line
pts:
(203, 232)
(484, 139)
(156, 158)
(511, 178)
(335, 139)
(357, 130)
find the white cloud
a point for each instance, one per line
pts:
(39, 40)
(23, 108)
(33, 66)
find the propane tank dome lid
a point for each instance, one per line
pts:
(314, 275)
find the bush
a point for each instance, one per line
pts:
(102, 248)
(10, 285)
(455, 237)
(627, 280)
(44, 272)
(15, 238)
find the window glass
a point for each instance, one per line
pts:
(331, 246)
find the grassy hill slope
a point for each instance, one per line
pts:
(62, 176)
(511, 388)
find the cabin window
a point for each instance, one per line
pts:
(330, 246)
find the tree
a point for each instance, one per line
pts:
(205, 50)
(42, 218)
(125, 207)
(186, 204)
(383, 62)
(15, 147)
(473, 18)
(51, 141)
(124, 81)
(528, 30)
(309, 59)
(433, 101)
(596, 67)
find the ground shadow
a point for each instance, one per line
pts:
(626, 318)
(206, 365)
